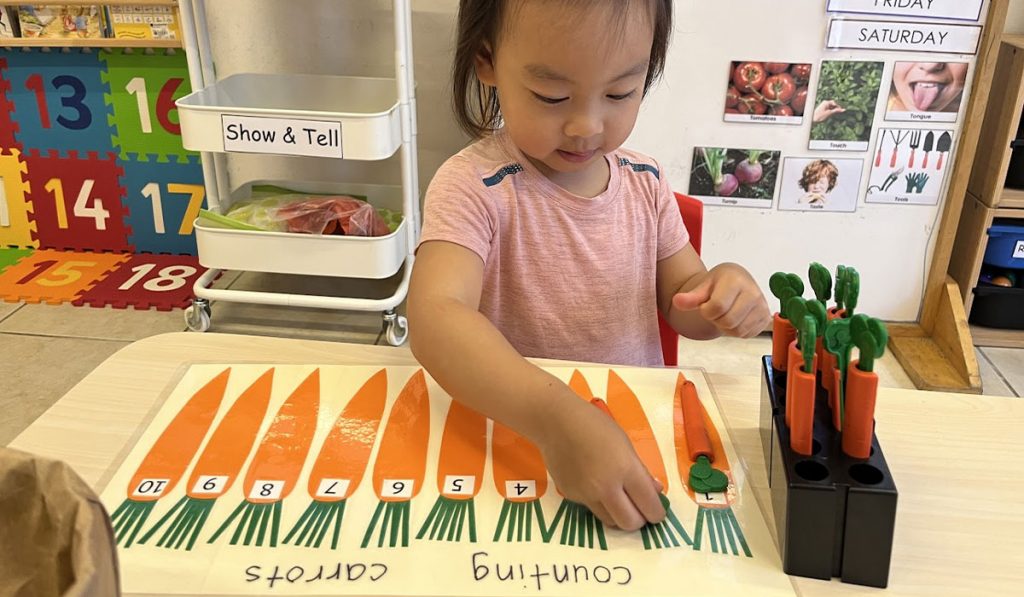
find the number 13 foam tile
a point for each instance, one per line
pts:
(77, 202)
(16, 226)
(58, 101)
(146, 281)
(55, 277)
(163, 201)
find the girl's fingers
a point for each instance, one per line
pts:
(732, 321)
(622, 510)
(753, 325)
(644, 496)
(602, 514)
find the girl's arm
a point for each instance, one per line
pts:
(703, 304)
(588, 455)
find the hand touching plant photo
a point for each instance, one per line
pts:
(845, 105)
(741, 177)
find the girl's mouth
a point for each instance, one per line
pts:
(925, 93)
(576, 157)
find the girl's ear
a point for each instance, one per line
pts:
(484, 63)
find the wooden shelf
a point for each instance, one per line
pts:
(94, 3)
(1012, 198)
(995, 337)
(1005, 212)
(99, 42)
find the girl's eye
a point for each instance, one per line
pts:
(549, 100)
(622, 96)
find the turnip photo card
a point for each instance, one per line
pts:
(734, 177)
(767, 92)
(820, 184)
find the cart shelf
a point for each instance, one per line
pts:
(366, 108)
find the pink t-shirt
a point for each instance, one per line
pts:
(565, 277)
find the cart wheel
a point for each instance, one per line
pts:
(198, 316)
(396, 329)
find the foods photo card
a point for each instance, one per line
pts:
(736, 177)
(767, 92)
(926, 91)
(820, 184)
(909, 166)
(844, 107)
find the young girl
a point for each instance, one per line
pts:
(546, 239)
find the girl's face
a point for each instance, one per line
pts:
(819, 187)
(929, 86)
(569, 83)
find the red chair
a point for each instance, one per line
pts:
(693, 218)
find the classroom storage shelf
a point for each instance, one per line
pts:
(105, 42)
(366, 108)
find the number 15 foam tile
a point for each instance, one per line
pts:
(55, 277)
(146, 281)
(77, 201)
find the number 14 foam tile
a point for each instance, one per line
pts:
(55, 277)
(146, 281)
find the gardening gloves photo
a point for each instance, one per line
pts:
(729, 298)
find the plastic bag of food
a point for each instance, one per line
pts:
(312, 214)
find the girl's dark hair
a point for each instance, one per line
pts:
(480, 21)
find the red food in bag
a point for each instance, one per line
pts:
(333, 215)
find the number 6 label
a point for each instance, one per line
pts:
(396, 488)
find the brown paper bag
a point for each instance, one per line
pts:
(55, 535)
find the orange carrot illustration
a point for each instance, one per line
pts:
(341, 464)
(276, 465)
(218, 466)
(629, 415)
(520, 478)
(168, 458)
(578, 523)
(460, 469)
(719, 517)
(401, 462)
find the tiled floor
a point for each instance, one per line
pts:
(48, 349)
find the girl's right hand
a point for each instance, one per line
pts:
(593, 463)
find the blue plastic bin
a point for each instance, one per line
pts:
(1005, 246)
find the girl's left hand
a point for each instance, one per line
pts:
(729, 298)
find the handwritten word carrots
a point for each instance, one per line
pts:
(276, 465)
(401, 463)
(626, 410)
(218, 465)
(460, 469)
(520, 478)
(167, 460)
(339, 468)
(697, 439)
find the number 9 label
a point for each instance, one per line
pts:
(397, 488)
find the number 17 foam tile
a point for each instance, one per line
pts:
(146, 281)
(77, 202)
(162, 201)
(55, 277)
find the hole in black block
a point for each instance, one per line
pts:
(866, 474)
(812, 470)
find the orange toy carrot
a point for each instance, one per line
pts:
(578, 523)
(697, 441)
(218, 465)
(629, 414)
(276, 465)
(401, 462)
(168, 458)
(520, 477)
(716, 511)
(460, 469)
(339, 468)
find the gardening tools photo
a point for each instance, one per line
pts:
(943, 147)
(878, 158)
(889, 180)
(929, 144)
(898, 137)
(915, 142)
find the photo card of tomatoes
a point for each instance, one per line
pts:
(910, 166)
(736, 177)
(844, 107)
(767, 92)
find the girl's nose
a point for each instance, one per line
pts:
(584, 123)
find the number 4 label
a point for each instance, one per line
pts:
(396, 488)
(264, 490)
(521, 489)
(150, 488)
(332, 488)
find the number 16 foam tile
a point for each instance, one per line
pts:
(77, 202)
(55, 277)
(146, 281)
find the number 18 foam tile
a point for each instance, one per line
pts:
(16, 226)
(55, 277)
(8, 127)
(77, 201)
(57, 100)
(146, 281)
(142, 91)
(163, 201)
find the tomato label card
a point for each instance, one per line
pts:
(767, 92)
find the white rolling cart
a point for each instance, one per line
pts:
(370, 118)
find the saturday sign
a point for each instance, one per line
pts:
(902, 36)
(967, 10)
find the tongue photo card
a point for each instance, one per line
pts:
(926, 91)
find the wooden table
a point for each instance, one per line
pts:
(958, 460)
